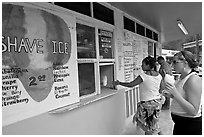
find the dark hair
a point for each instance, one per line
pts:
(189, 57)
(150, 61)
(160, 58)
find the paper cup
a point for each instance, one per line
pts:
(170, 79)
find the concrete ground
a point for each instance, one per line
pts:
(165, 123)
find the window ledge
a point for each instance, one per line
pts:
(105, 93)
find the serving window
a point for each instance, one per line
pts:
(95, 59)
(150, 48)
(86, 79)
(106, 76)
(86, 45)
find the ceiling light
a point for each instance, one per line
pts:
(182, 27)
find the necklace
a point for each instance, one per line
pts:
(185, 74)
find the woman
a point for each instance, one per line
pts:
(149, 108)
(186, 94)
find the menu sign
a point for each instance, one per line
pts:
(139, 48)
(38, 62)
(105, 43)
(128, 61)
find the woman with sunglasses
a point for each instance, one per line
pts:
(149, 107)
(186, 93)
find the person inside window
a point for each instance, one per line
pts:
(149, 108)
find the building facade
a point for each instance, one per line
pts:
(58, 64)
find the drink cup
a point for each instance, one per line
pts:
(170, 79)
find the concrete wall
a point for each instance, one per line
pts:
(106, 116)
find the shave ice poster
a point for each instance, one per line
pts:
(38, 62)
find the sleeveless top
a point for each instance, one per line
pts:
(175, 106)
(149, 88)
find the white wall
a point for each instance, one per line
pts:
(104, 117)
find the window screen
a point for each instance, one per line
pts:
(140, 29)
(81, 7)
(148, 33)
(85, 41)
(103, 13)
(86, 79)
(129, 24)
(155, 36)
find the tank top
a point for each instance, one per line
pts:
(149, 88)
(175, 106)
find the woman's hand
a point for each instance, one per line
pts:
(134, 119)
(171, 89)
(167, 94)
(117, 82)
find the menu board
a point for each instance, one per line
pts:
(105, 43)
(38, 62)
(139, 51)
(145, 47)
(128, 61)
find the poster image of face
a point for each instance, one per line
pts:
(34, 43)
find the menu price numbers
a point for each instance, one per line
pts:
(33, 79)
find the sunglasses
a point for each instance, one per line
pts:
(176, 62)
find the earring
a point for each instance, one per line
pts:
(184, 69)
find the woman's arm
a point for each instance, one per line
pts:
(133, 83)
(193, 89)
(162, 86)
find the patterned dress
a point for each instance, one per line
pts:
(148, 114)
